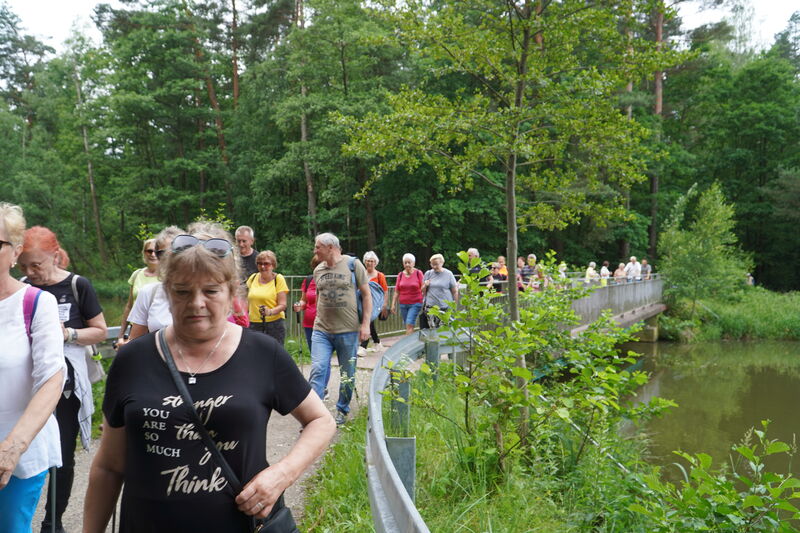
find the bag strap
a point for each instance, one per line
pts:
(249, 281)
(208, 441)
(75, 289)
(29, 303)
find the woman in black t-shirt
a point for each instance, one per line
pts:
(44, 264)
(235, 377)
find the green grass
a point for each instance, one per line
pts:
(758, 314)
(337, 499)
(543, 495)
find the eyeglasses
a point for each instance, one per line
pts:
(159, 253)
(263, 263)
(10, 245)
(150, 252)
(218, 247)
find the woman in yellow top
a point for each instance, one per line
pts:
(266, 297)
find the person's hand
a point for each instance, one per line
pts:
(261, 492)
(427, 283)
(384, 313)
(364, 333)
(121, 341)
(10, 452)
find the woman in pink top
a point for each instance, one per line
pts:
(308, 302)
(408, 290)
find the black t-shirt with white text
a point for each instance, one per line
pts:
(74, 314)
(172, 483)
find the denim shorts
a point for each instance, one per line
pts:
(409, 313)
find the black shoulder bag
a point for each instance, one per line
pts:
(280, 519)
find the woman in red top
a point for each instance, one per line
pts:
(409, 291)
(370, 261)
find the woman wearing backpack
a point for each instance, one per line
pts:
(44, 261)
(266, 296)
(373, 274)
(408, 291)
(33, 372)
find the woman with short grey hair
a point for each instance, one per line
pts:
(371, 261)
(440, 290)
(408, 292)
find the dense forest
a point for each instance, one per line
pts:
(265, 112)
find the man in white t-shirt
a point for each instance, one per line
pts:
(633, 270)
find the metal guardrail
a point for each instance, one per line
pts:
(393, 509)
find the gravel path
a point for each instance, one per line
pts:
(282, 432)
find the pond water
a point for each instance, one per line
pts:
(722, 390)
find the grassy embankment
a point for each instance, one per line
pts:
(552, 494)
(757, 314)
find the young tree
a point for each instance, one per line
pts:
(535, 120)
(699, 252)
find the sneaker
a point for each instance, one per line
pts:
(362, 352)
(378, 347)
(341, 419)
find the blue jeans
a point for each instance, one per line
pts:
(409, 313)
(322, 346)
(18, 502)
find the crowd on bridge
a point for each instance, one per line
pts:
(219, 306)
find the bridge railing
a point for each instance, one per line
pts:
(393, 508)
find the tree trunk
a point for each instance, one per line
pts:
(658, 88)
(212, 99)
(369, 214)
(310, 189)
(235, 52)
(101, 243)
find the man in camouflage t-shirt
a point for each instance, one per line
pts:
(338, 326)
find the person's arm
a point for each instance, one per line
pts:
(281, 299)
(454, 289)
(94, 332)
(137, 330)
(366, 307)
(266, 487)
(29, 424)
(393, 309)
(124, 323)
(105, 479)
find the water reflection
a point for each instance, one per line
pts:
(722, 390)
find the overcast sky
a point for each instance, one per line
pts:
(52, 20)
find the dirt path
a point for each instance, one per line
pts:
(282, 433)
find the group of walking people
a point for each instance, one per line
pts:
(200, 370)
(186, 403)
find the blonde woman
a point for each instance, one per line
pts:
(139, 278)
(32, 375)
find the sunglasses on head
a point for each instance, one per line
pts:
(218, 247)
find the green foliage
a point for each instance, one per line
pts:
(699, 252)
(581, 400)
(748, 499)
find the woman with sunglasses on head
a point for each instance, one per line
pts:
(266, 296)
(31, 379)
(44, 263)
(150, 311)
(151, 448)
(139, 278)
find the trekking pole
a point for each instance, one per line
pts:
(52, 499)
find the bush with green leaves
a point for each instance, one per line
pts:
(748, 499)
(508, 415)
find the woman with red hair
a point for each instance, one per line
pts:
(44, 264)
